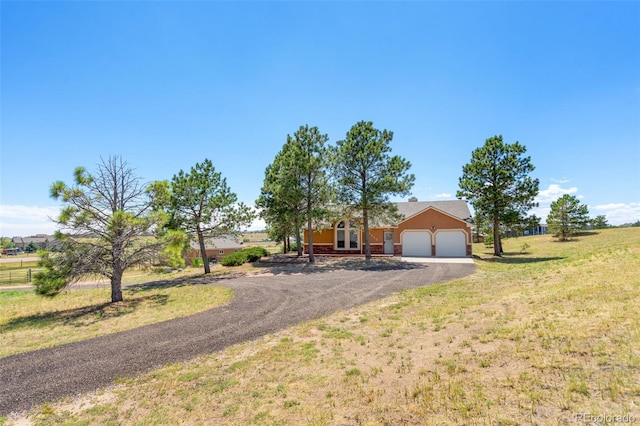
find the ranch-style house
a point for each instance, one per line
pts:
(429, 229)
(216, 248)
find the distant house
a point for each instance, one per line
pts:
(216, 248)
(41, 241)
(541, 229)
(428, 228)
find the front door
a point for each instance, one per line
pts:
(388, 243)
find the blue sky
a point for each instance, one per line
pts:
(168, 84)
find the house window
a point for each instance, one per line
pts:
(347, 235)
(220, 251)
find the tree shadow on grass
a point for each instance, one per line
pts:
(83, 316)
(295, 265)
(575, 237)
(518, 258)
(586, 233)
(199, 279)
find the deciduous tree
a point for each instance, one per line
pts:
(366, 175)
(107, 225)
(497, 183)
(567, 216)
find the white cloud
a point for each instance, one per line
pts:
(443, 195)
(22, 221)
(28, 212)
(553, 192)
(562, 180)
(258, 225)
(617, 213)
(549, 195)
(542, 213)
(16, 220)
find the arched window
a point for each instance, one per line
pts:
(347, 235)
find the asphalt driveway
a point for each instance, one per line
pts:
(262, 305)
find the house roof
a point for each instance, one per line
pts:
(35, 238)
(407, 209)
(218, 243)
(456, 208)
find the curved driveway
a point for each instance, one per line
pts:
(261, 305)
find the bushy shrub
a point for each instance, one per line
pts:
(234, 259)
(255, 253)
(252, 254)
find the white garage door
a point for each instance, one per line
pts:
(451, 244)
(416, 243)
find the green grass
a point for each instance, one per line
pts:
(29, 321)
(17, 272)
(532, 338)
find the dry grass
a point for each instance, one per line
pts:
(261, 239)
(18, 264)
(536, 338)
(29, 321)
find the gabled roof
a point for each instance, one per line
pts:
(40, 238)
(407, 209)
(217, 243)
(456, 208)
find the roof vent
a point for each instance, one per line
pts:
(413, 199)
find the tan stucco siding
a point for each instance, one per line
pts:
(432, 221)
(429, 218)
(326, 236)
(323, 236)
(376, 236)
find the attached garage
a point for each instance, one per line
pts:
(416, 244)
(451, 244)
(423, 229)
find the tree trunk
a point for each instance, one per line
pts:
(497, 245)
(367, 242)
(298, 239)
(203, 251)
(116, 285)
(310, 236)
(117, 271)
(298, 244)
(309, 224)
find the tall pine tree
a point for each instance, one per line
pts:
(366, 175)
(296, 188)
(497, 183)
